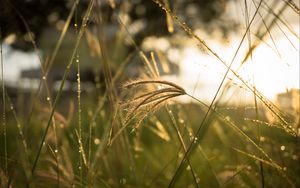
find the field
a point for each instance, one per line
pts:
(111, 110)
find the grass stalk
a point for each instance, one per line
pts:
(181, 141)
(253, 78)
(206, 116)
(262, 35)
(104, 59)
(48, 98)
(4, 107)
(80, 34)
(82, 157)
(269, 105)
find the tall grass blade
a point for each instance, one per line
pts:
(80, 34)
(269, 105)
(206, 116)
(3, 125)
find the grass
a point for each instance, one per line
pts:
(136, 133)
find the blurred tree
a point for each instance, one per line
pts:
(40, 14)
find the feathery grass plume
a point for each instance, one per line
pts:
(139, 107)
(153, 98)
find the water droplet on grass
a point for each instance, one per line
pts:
(262, 139)
(195, 140)
(188, 168)
(181, 120)
(180, 155)
(96, 141)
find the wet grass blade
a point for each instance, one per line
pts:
(80, 34)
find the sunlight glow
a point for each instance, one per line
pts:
(273, 73)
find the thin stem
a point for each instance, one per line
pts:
(206, 116)
(80, 34)
(175, 126)
(4, 110)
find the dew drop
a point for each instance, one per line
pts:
(181, 120)
(44, 77)
(262, 139)
(180, 155)
(282, 148)
(56, 151)
(188, 168)
(96, 141)
(195, 140)
(48, 99)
